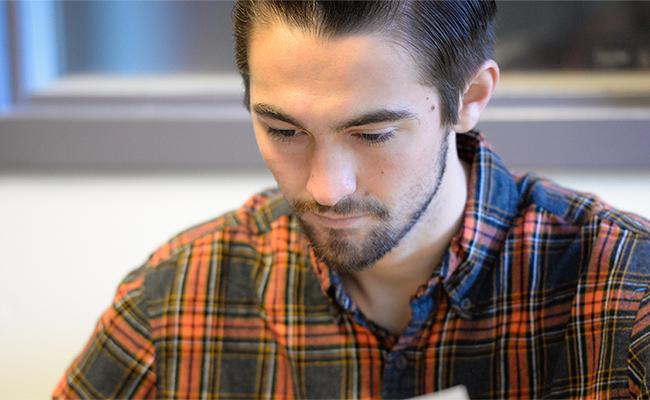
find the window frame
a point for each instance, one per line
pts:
(51, 122)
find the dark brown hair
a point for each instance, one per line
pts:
(448, 40)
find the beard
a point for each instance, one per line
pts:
(345, 255)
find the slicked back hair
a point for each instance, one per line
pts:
(448, 40)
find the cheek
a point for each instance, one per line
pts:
(288, 170)
(395, 175)
(406, 158)
(384, 176)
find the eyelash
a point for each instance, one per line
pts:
(375, 139)
(283, 135)
(286, 135)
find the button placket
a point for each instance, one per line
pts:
(401, 362)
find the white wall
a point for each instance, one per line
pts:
(67, 240)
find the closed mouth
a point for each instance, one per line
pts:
(337, 220)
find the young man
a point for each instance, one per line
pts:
(399, 256)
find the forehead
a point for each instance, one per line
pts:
(303, 66)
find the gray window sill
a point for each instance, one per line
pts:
(197, 123)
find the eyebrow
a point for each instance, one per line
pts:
(372, 117)
(271, 112)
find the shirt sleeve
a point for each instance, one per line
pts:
(638, 364)
(119, 359)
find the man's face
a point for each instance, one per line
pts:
(351, 137)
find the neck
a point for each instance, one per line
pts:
(383, 292)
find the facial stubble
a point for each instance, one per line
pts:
(340, 253)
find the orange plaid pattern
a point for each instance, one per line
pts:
(542, 294)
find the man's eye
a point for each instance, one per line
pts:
(282, 134)
(375, 138)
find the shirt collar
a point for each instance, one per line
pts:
(491, 205)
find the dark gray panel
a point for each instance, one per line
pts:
(97, 145)
(133, 145)
(571, 144)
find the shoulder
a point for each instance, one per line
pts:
(576, 208)
(254, 218)
(236, 237)
(582, 222)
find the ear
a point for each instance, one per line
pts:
(476, 96)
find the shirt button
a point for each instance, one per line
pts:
(401, 362)
(466, 304)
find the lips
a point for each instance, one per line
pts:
(337, 221)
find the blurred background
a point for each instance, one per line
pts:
(121, 124)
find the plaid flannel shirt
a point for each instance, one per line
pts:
(543, 293)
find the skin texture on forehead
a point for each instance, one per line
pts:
(334, 69)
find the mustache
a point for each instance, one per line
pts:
(344, 207)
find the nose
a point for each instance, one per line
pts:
(332, 177)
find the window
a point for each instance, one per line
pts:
(574, 35)
(151, 84)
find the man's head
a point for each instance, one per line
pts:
(447, 40)
(359, 138)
